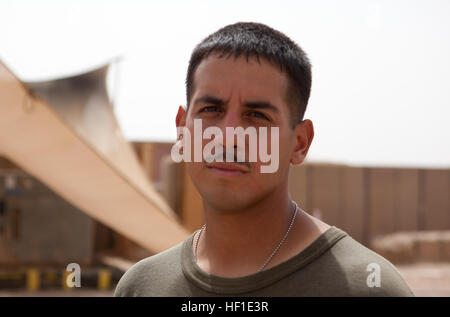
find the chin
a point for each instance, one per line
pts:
(227, 206)
(233, 193)
(229, 200)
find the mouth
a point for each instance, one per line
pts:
(227, 168)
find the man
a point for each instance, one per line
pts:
(256, 241)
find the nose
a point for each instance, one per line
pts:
(233, 119)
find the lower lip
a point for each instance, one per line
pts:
(225, 172)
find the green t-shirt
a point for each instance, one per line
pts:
(333, 265)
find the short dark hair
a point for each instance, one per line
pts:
(259, 40)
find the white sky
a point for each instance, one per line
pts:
(381, 69)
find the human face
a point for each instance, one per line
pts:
(231, 92)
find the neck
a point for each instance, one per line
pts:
(238, 243)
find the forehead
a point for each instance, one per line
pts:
(247, 79)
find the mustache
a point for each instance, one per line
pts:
(221, 156)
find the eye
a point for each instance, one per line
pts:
(209, 109)
(257, 114)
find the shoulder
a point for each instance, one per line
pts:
(366, 272)
(149, 272)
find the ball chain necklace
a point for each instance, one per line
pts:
(274, 251)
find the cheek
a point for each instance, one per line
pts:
(286, 141)
(194, 169)
(279, 147)
(188, 143)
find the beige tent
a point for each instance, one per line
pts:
(64, 133)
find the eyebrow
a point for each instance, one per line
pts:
(261, 105)
(209, 99)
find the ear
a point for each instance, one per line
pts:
(180, 120)
(304, 134)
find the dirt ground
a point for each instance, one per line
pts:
(427, 279)
(57, 293)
